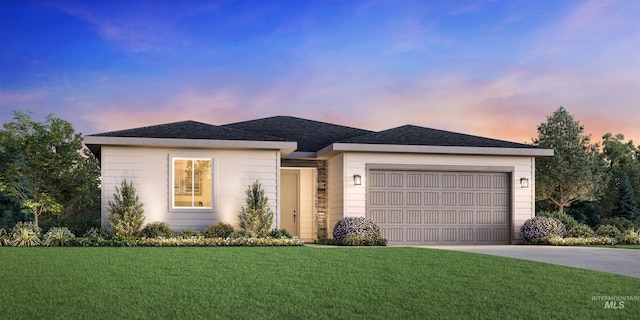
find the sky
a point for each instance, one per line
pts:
(490, 68)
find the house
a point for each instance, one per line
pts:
(419, 185)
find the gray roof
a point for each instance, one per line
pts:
(188, 130)
(414, 135)
(310, 135)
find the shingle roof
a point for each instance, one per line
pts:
(414, 135)
(189, 130)
(310, 135)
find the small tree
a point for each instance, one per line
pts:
(127, 214)
(256, 216)
(625, 205)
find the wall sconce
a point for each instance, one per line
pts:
(524, 183)
(357, 179)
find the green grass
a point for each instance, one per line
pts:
(623, 246)
(297, 283)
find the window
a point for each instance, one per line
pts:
(192, 187)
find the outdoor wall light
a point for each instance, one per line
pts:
(357, 179)
(524, 183)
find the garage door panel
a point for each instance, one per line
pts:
(440, 207)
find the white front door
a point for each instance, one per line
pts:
(289, 199)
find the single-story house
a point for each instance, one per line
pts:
(419, 185)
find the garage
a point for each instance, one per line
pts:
(440, 208)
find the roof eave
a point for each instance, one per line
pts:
(336, 148)
(96, 142)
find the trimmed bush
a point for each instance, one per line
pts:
(540, 227)
(25, 234)
(557, 241)
(96, 233)
(58, 237)
(358, 241)
(157, 230)
(623, 224)
(218, 230)
(354, 226)
(323, 241)
(608, 231)
(566, 219)
(189, 233)
(241, 233)
(280, 233)
(581, 231)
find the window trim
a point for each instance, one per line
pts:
(172, 181)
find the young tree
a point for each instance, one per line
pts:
(625, 205)
(127, 214)
(35, 157)
(573, 173)
(256, 216)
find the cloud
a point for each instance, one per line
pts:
(21, 98)
(137, 26)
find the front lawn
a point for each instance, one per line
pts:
(298, 283)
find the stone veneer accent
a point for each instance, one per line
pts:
(321, 191)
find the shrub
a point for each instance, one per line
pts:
(608, 231)
(189, 233)
(631, 237)
(256, 216)
(4, 237)
(25, 234)
(354, 226)
(218, 230)
(58, 237)
(157, 230)
(96, 233)
(566, 219)
(127, 215)
(323, 241)
(557, 241)
(581, 231)
(358, 241)
(623, 224)
(539, 227)
(241, 233)
(280, 233)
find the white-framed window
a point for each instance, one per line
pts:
(192, 185)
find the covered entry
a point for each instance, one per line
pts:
(298, 202)
(433, 207)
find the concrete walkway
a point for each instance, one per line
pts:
(619, 261)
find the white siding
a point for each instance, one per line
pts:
(335, 186)
(148, 169)
(342, 168)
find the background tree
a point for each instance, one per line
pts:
(574, 172)
(256, 216)
(127, 214)
(622, 164)
(35, 158)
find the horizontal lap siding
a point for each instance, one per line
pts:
(148, 168)
(335, 187)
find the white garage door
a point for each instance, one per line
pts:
(425, 207)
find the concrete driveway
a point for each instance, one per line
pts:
(619, 261)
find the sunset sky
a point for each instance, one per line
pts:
(488, 68)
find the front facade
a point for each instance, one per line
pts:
(419, 185)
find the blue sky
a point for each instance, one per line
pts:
(490, 68)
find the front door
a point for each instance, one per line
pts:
(289, 211)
